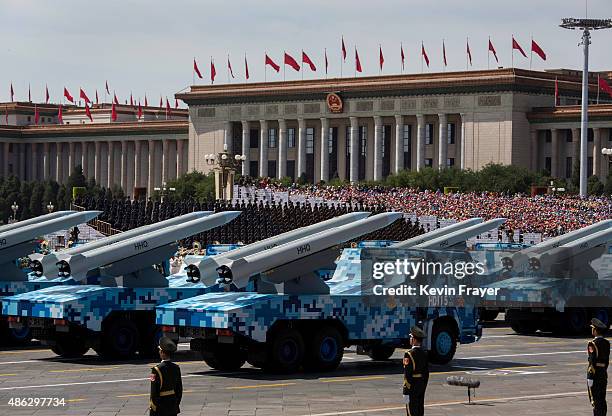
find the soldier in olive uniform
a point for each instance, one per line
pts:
(416, 374)
(597, 372)
(166, 383)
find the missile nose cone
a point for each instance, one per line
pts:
(359, 215)
(202, 214)
(389, 217)
(230, 215)
(90, 215)
(497, 222)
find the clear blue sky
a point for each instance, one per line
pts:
(148, 46)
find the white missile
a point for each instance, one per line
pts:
(80, 264)
(27, 234)
(40, 218)
(446, 241)
(420, 239)
(204, 269)
(46, 265)
(520, 259)
(240, 270)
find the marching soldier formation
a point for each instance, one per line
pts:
(597, 372)
(166, 382)
(416, 374)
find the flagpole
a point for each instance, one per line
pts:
(284, 66)
(402, 52)
(193, 72)
(531, 54)
(341, 58)
(325, 63)
(379, 65)
(266, 70)
(489, 54)
(227, 69)
(467, 42)
(598, 88)
(422, 57)
(512, 49)
(355, 66)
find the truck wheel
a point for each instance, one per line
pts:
(523, 327)
(70, 347)
(573, 321)
(443, 344)
(381, 352)
(21, 336)
(488, 314)
(286, 351)
(324, 351)
(225, 357)
(120, 341)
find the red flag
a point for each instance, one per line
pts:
(343, 50)
(88, 113)
(381, 58)
(246, 68)
(326, 62)
(36, 114)
(115, 100)
(96, 96)
(229, 67)
(605, 87)
(492, 49)
(357, 61)
(29, 94)
(146, 101)
(175, 103)
(273, 64)
(12, 94)
(196, 69)
(60, 119)
(131, 101)
(469, 52)
(291, 62)
(539, 51)
(444, 53)
(213, 71)
(556, 91)
(402, 55)
(68, 96)
(424, 54)
(139, 111)
(114, 112)
(107, 90)
(168, 109)
(46, 94)
(161, 102)
(84, 96)
(306, 60)
(515, 45)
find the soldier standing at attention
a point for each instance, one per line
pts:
(597, 372)
(166, 383)
(416, 374)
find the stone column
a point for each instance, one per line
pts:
(151, 168)
(34, 164)
(399, 143)
(282, 149)
(420, 142)
(5, 158)
(124, 156)
(576, 148)
(70, 158)
(354, 157)
(137, 163)
(245, 148)
(442, 141)
(227, 138)
(597, 156)
(301, 159)
(85, 159)
(461, 148)
(324, 149)
(179, 158)
(97, 163)
(554, 156)
(110, 162)
(58, 162)
(378, 145)
(534, 149)
(263, 148)
(164, 172)
(46, 161)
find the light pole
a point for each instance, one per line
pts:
(226, 165)
(586, 25)
(607, 152)
(50, 207)
(163, 190)
(14, 207)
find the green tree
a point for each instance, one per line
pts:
(36, 201)
(608, 187)
(61, 199)
(594, 186)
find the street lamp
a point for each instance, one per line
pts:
(226, 164)
(50, 207)
(163, 190)
(14, 207)
(586, 25)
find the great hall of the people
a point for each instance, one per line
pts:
(352, 129)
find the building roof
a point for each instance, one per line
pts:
(485, 81)
(569, 113)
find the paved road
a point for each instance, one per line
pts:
(533, 375)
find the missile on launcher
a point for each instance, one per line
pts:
(294, 262)
(204, 269)
(40, 218)
(129, 262)
(46, 265)
(423, 238)
(458, 238)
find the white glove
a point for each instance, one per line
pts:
(589, 382)
(406, 399)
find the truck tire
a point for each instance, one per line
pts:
(325, 350)
(70, 347)
(19, 337)
(443, 343)
(381, 352)
(225, 357)
(573, 321)
(488, 314)
(120, 340)
(522, 327)
(285, 351)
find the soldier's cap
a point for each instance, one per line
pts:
(167, 345)
(596, 323)
(417, 332)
